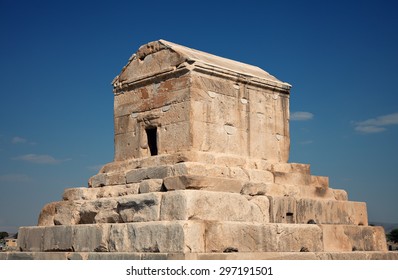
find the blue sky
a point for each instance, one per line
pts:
(58, 59)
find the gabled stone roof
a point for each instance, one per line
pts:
(162, 56)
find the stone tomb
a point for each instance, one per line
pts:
(201, 172)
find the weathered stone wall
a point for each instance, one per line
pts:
(156, 104)
(234, 117)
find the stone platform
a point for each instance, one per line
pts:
(200, 256)
(201, 171)
(178, 210)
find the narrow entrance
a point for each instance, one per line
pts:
(151, 134)
(289, 218)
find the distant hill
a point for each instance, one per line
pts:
(387, 226)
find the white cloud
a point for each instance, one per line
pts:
(18, 140)
(377, 124)
(41, 159)
(369, 129)
(301, 116)
(12, 178)
(21, 140)
(306, 142)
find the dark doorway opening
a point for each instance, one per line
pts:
(151, 134)
(289, 218)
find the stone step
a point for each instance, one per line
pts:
(185, 168)
(207, 158)
(357, 255)
(202, 205)
(342, 238)
(200, 237)
(314, 211)
(155, 206)
(246, 188)
(296, 191)
(291, 174)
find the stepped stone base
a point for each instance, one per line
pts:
(200, 256)
(198, 236)
(192, 210)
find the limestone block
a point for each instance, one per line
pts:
(213, 84)
(125, 102)
(91, 238)
(67, 213)
(97, 181)
(156, 101)
(217, 107)
(167, 159)
(71, 194)
(261, 144)
(205, 157)
(239, 173)
(340, 195)
(291, 168)
(283, 144)
(202, 183)
(81, 238)
(263, 205)
(106, 179)
(214, 137)
(174, 113)
(218, 171)
(127, 208)
(31, 239)
(125, 123)
(190, 168)
(127, 146)
(320, 182)
(277, 190)
(107, 216)
(281, 106)
(340, 238)
(119, 239)
(283, 178)
(157, 172)
(117, 166)
(258, 163)
(117, 190)
(331, 212)
(151, 185)
(286, 190)
(58, 238)
(292, 238)
(316, 192)
(254, 189)
(230, 160)
(173, 84)
(202, 169)
(175, 137)
(206, 205)
(115, 178)
(157, 237)
(46, 217)
(255, 237)
(139, 208)
(156, 61)
(262, 176)
(98, 211)
(164, 98)
(234, 237)
(282, 209)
